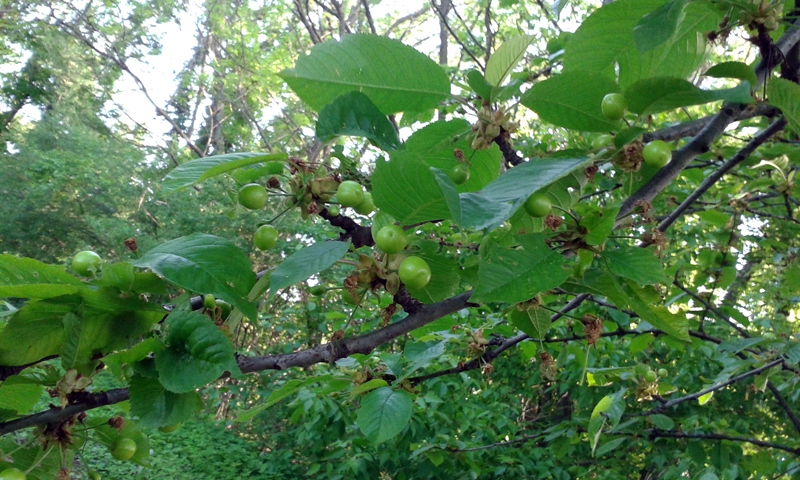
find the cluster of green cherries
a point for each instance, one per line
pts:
(614, 105)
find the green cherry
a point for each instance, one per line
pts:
(614, 106)
(657, 153)
(366, 206)
(414, 273)
(12, 474)
(391, 239)
(253, 196)
(124, 449)
(266, 237)
(209, 302)
(538, 205)
(459, 174)
(350, 194)
(87, 263)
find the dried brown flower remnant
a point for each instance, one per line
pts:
(553, 221)
(631, 158)
(131, 245)
(548, 366)
(593, 327)
(459, 154)
(644, 208)
(117, 423)
(590, 171)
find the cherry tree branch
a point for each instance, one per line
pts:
(656, 433)
(739, 157)
(328, 353)
(694, 396)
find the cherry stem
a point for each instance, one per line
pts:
(560, 313)
(278, 215)
(577, 222)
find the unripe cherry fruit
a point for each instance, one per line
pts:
(614, 105)
(538, 205)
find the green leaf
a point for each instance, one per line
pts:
(353, 114)
(607, 37)
(599, 282)
(534, 322)
(609, 446)
(138, 352)
(518, 275)
(35, 331)
(659, 25)
(119, 275)
(477, 82)
(490, 207)
(703, 399)
(393, 75)
(368, 386)
(639, 264)
(291, 387)
(383, 414)
(505, 58)
(157, 407)
(29, 278)
(306, 262)
(572, 100)
(73, 326)
(19, 394)
(739, 70)
(600, 224)
(444, 274)
(198, 353)
(421, 354)
(607, 411)
(655, 95)
(784, 94)
(205, 264)
(662, 421)
(435, 144)
(656, 315)
(406, 188)
(200, 169)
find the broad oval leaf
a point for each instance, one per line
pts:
(384, 413)
(436, 143)
(639, 264)
(655, 95)
(444, 275)
(306, 262)
(394, 76)
(513, 276)
(534, 322)
(205, 264)
(505, 58)
(353, 114)
(659, 25)
(572, 100)
(784, 94)
(406, 189)
(158, 407)
(200, 169)
(29, 278)
(739, 70)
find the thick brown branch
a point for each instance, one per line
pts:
(360, 235)
(329, 352)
